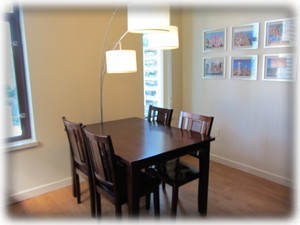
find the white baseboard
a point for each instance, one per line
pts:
(68, 181)
(252, 170)
(38, 190)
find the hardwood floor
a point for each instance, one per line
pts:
(232, 194)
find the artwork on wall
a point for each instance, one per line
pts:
(279, 67)
(214, 67)
(245, 37)
(280, 33)
(214, 40)
(244, 67)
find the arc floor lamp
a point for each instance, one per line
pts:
(152, 20)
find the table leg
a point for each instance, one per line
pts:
(203, 179)
(132, 190)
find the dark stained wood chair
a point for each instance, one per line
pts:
(160, 115)
(195, 122)
(79, 160)
(110, 177)
(176, 172)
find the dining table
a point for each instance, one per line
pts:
(139, 144)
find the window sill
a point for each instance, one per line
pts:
(18, 145)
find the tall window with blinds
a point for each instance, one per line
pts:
(16, 108)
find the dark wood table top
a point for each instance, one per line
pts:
(140, 143)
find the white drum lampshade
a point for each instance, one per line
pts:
(121, 61)
(165, 40)
(148, 18)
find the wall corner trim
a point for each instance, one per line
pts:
(254, 171)
(33, 192)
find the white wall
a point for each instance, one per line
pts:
(254, 118)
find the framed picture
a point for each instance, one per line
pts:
(280, 33)
(214, 67)
(279, 67)
(214, 40)
(244, 67)
(245, 37)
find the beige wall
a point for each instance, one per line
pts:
(173, 65)
(254, 118)
(64, 47)
(64, 54)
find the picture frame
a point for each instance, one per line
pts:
(214, 40)
(244, 67)
(280, 33)
(214, 67)
(245, 37)
(279, 67)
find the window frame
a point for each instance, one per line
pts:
(20, 72)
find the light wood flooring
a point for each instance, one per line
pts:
(232, 194)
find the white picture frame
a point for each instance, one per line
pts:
(214, 67)
(280, 33)
(279, 67)
(214, 40)
(244, 67)
(245, 37)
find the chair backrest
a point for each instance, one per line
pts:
(77, 144)
(194, 122)
(102, 159)
(160, 115)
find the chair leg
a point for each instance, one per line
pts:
(73, 170)
(92, 198)
(148, 201)
(98, 204)
(74, 186)
(118, 209)
(174, 201)
(156, 202)
(77, 187)
(163, 185)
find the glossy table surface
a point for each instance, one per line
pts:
(136, 140)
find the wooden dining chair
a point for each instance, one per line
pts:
(195, 122)
(160, 115)
(176, 172)
(80, 164)
(110, 176)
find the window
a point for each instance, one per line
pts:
(16, 108)
(153, 77)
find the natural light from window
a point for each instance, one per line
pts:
(11, 108)
(153, 77)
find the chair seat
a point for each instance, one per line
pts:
(147, 184)
(174, 172)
